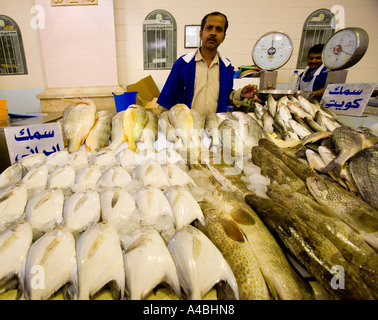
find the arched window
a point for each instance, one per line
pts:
(159, 40)
(12, 56)
(318, 28)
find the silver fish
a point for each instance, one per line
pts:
(12, 204)
(54, 253)
(44, 211)
(100, 262)
(148, 263)
(15, 242)
(199, 263)
(347, 142)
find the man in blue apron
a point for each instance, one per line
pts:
(203, 79)
(314, 77)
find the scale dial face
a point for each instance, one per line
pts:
(272, 50)
(345, 48)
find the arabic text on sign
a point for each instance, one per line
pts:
(57, 3)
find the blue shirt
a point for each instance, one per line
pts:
(320, 80)
(179, 87)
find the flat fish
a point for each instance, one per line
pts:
(100, 262)
(148, 263)
(12, 204)
(15, 242)
(55, 254)
(156, 210)
(199, 263)
(44, 211)
(118, 208)
(185, 208)
(81, 211)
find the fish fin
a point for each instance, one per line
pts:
(242, 217)
(334, 166)
(232, 230)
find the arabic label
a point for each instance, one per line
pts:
(27, 140)
(347, 98)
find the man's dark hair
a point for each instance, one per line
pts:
(318, 48)
(215, 13)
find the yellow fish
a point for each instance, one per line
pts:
(78, 119)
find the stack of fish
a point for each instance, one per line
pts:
(124, 190)
(349, 156)
(90, 220)
(327, 228)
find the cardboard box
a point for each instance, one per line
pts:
(147, 90)
(3, 110)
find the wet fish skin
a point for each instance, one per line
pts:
(100, 261)
(148, 263)
(182, 120)
(229, 239)
(78, 119)
(212, 128)
(166, 127)
(347, 207)
(231, 140)
(281, 279)
(275, 169)
(301, 169)
(317, 254)
(116, 135)
(15, 242)
(55, 252)
(150, 131)
(347, 142)
(99, 134)
(363, 168)
(350, 243)
(272, 105)
(199, 262)
(134, 120)
(12, 204)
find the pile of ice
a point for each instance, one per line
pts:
(255, 181)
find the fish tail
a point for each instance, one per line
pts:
(334, 166)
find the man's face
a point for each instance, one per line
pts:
(314, 60)
(213, 32)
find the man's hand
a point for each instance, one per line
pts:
(249, 91)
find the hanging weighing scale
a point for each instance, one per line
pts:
(271, 52)
(343, 50)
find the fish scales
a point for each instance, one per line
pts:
(348, 142)
(317, 254)
(99, 134)
(228, 238)
(283, 281)
(363, 168)
(347, 207)
(276, 170)
(301, 169)
(78, 119)
(350, 243)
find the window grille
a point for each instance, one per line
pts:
(159, 40)
(12, 56)
(318, 28)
